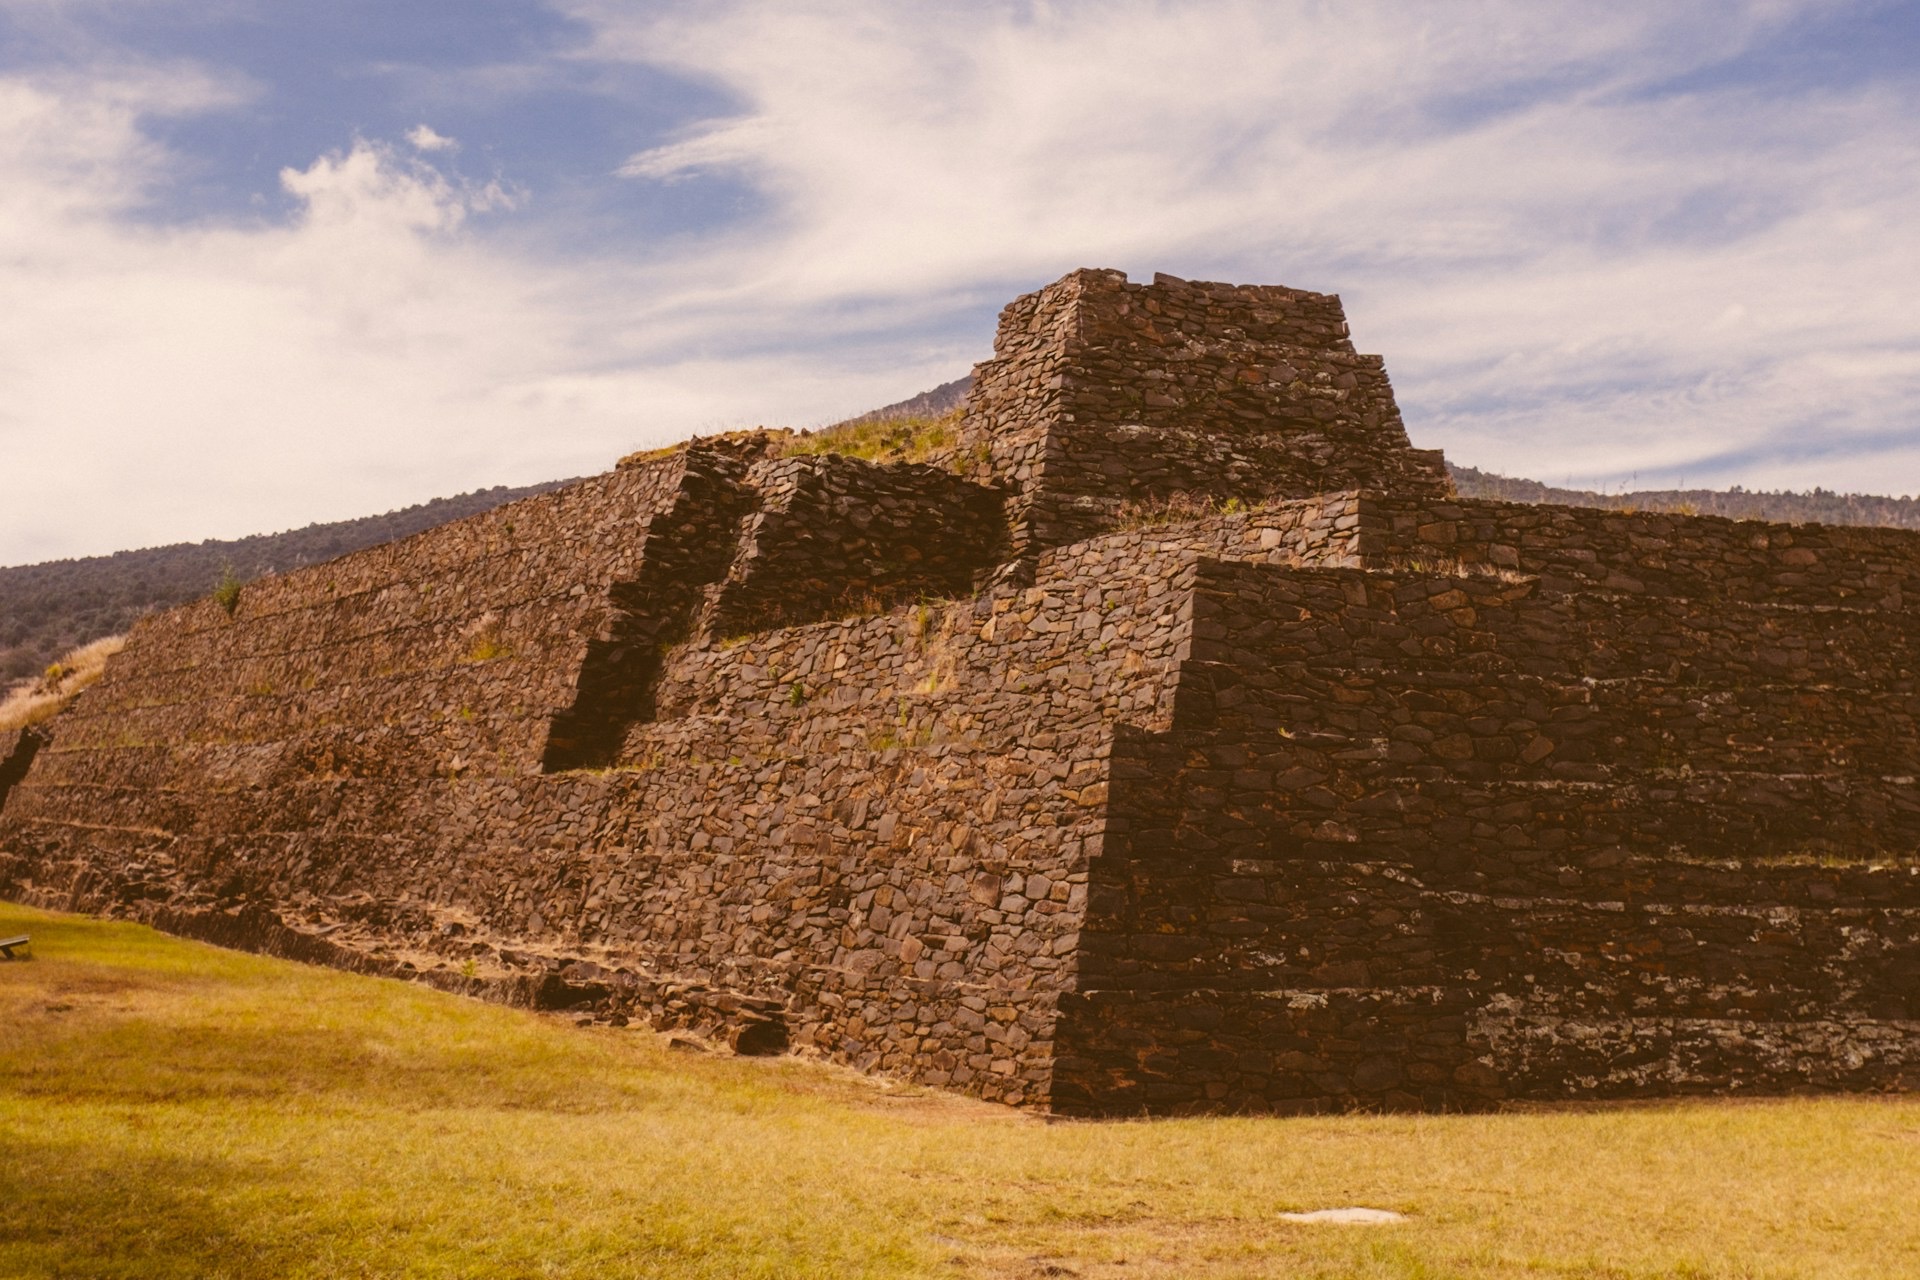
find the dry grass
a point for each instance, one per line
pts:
(46, 697)
(911, 439)
(171, 1110)
(914, 439)
(1156, 513)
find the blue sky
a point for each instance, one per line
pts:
(274, 263)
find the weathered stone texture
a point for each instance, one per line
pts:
(833, 535)
(1440, 841)
(1105, 397)
(1051, 781)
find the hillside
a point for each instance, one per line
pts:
(1818, 506)
(49, 608)
(942, 400)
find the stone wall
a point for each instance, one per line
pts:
(920, 790)
(752, 542)
(1105, 399)
(835, 535)
(444, 651)
(1352, 795)
(1440, 841)
(855, 831)
(1617, 553)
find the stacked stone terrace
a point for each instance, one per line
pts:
(1181, 745)
(1108, 401)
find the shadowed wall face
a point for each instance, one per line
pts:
(1434, 842)
(753, 542)
(17, 749)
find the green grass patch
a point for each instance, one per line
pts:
(169, 1109)
(226, 592)
(913, 439)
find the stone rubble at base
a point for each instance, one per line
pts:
(1180, 744)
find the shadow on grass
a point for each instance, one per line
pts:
(315, 1199)
(85, 1056)
(66, 1212)
(112, 1013)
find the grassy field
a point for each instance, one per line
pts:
(169, 1109)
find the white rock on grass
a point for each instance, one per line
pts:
(1368, 1217)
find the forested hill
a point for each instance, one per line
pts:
(1817, 506)
(47, 609)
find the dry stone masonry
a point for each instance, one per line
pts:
(1107, 400)
(1180, 744)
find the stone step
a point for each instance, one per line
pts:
(1514, 725)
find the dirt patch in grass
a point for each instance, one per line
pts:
(195, 1112)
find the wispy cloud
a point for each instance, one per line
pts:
(371, 351)
(1573, 263)
(425, 138)
(1590, 241)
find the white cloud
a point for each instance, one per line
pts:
(1543, 239)
(370, 184)
(1572, 269)
(424, 138)
(169, 383)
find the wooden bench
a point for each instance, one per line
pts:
(7, 946)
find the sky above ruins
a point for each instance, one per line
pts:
(270, 263)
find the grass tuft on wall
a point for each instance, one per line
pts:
(923, 438)
(34, 701)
